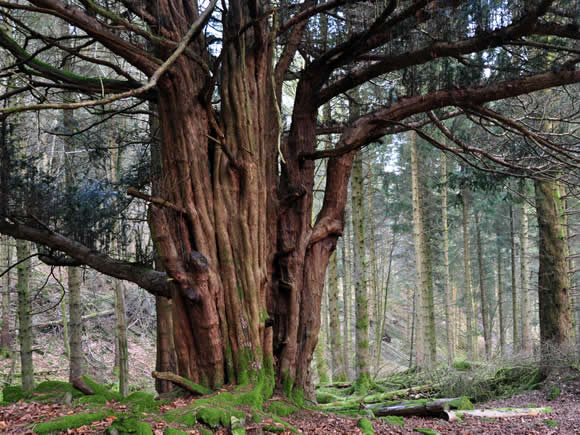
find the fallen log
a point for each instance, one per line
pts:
(84, 319)
(186, 384)
(496, 413)
(432, 408)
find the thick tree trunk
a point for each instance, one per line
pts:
(556, 326)
(470, 333)
(483, 291)
(24, 315)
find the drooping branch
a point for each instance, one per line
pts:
(151, 280)
(372, 126)
(150, 85)
(439, 49)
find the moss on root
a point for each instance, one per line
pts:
(366, 426)
(13, 393)
(172, 431)
(129, 424)
(102, 390)
(282, 409)
(71, 421)
(394, 420)
(463, 404)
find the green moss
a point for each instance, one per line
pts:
(287, 384)
(129, 424)
(13, 393)
(551, 423)
(282, 409)
(256, 418)
(204, 431)
(366, 426)
(554, 393)
(283, 423)
(172, 431)
(394, 420)
(363, 384)
(103, 391)
(143, 402)
(71, 421)
(96, 399)
(185, 416)
(462, 404)
(461, 365)
(425, 430)
(3, 403)
(323, 397)
(274, 429)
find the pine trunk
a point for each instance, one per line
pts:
(469, 312)
(5, 336)
(346, 298)
(483, 292)
(24, 315)
(500, 296)
(556, 325)
(449, 300)
(77, 357)
(360, 275)
(515, 320)
(526, 342)
(338, 368)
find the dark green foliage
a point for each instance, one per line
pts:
(551, 423)
(425, 430)
(274, 429)
(324, 397)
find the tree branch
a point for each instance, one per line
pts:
(372, 126)
(195, 28)
(154, 282)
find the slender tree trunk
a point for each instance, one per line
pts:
(384, 304)
(469, 312)
(500, 296)
(346, 298)
(338, 368)
(5, 336)
(360, 267)
(414, 319)
(374, 307)
(484, 303)
(449, 301)
(515, 337)
(526, 342)
(422, 262)
(24, 315)
(77, 357)
(556, 325)
(320, 351)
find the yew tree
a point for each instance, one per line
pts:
(243, 260)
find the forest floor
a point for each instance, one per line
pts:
(563, 418)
